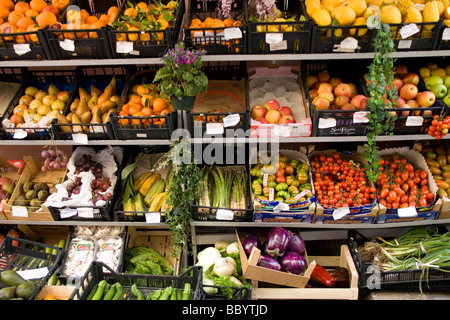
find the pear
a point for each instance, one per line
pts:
(105, 117)
(31, 90)
(76, 119)
(61, 119)
(86, 117)
(96, 117)
(83, 94)
(44, 109)
(69, 116)
(106, 95)
(40, 94)
(93, 100)
(53, 90)
(96, 90)
(74, 105)
(82, 107)
(35, 104)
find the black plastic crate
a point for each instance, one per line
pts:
(443, 40)
(426, 113)
(427, 38)
(144, 43)
(63, 79)
(216, 39)
(263, 37)
(394, 280)
(81, 43)
(100, 77)
(145, 283)
(27, 45)
(239, 293)
(20, 254)
(142, 127)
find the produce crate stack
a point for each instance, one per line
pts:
(288, 32)
(209, 28)
(43, 95)
(145, 30)
(143, 112)
(80, 32)
(98, 93)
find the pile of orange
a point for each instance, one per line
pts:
(144, 101)
(210, 22)
(29, 16)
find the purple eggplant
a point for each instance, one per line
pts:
(277, 242)
(292, 262)
(297, 244)
(250, 242)
(267, 261)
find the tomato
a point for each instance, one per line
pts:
(392, 196)
(423, 174)
(409, 167)
(423, 202)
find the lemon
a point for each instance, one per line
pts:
(359, 6)
(390, 14)
(321, 17)
(282, 26)
(413, 15)
(430, 13)
(344, 15)
(334, 33)
(311, 6)
(403, 6)
(360, 21)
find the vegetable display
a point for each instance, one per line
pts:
(146, 260)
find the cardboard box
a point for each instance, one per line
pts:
(252, 271)
(444, 213)
(306, 216)
(344, 260)
(59, 292)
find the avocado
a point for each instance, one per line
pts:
(31, 194)
(26, 289)
(21, 201)
(27, 186)
(8, 293)
(11, 278)
(43, 195)
(40, 186)
(35, 204)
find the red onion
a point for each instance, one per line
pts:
(296, 244)
(277, 242)
(267, 261)
(250, 242)
(292, 262)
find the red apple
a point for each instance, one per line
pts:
(262, 120)
(348, 106)
(285, 110)
(411, 77)
(287, 119)
(311, 80)
(324, 87)
(327, 95)
(271, 104)
(321, 103)
(272, 116)
(356, 100)
(258, 112)
(323, 76)
(343, 89)
(313, 93)
(404, 106)
(400, 100)
(412, 104)
(426, 98)
(334, 81)
(409, 91)
(401, 70)
(398, 83)
(341, 100)
(362, 104)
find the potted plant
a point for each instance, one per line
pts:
(181, 78)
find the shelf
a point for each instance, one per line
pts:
(231, 57)
(87, 223)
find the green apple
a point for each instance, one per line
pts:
(439, 90)
(432, 81)
(447, 81)
(447, 100)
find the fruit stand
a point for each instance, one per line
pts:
(295, 92)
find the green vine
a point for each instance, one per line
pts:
(383, 98)
(182, 191)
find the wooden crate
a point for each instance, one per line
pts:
(50, 235)
(11, 169)
(160, 240)
(59, 292)
(344, 260)
(32, 172)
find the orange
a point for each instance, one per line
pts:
(138, 121)
(171, 5)
(164, 112)
(134, 108)
(133, 36)
(46, 18)
(159, 104)
(95, 25)
(112, 11)
(121, 36)
(32, 37)
(147, 100)
(237, 24)
(142, 5)
(228, 22)
(8, 4)
(24, 23)
(164, 24)
(141, 90)
(84, 14)
(147, 111)
(131, 12)
(14, 16)
(91, 19)
(125, 108)
(30, 13)
(123, 113)
(104, 18)
(21, 6)
(38, 5)
(61, 4)
(144, 37)
(4, 13)
(134, 98)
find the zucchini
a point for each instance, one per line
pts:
(119, 292)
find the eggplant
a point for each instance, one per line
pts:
(250, 242)
(297, 244)
(293, 262)
(269, 262)
(277, 242)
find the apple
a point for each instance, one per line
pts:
(401, 70)
(348, 106)
(341, 100)
(271, 104)
(447, 81)
(26, 99)
(426, 98)
(311, 80)
(447, 100)
(321, 103)
(409, 91)
(324, 87)
(334, 81)
(313, 93)
(398, 83)
(262, 120)
(356, 100)
(413, 103)
(285, 110)
(287, 119)
(353, 87)
(258, 111)
(323, 76)
(327, 95)
(404, 106)
(411, 77)
(273, 116)
(439, 90)
(343, 89)
(432, 81)
(363, 103)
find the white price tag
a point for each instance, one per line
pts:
(302, 194)
(21, 48)
(18, 211)
(32, 274)
(281, 207)
(86, 212)
(273, 37)
(223, 214)
(340, 212)
(124, 46)
(349, 43)
(325, 123)
(360, 117)
(214, 128)
(153, 217)
(414, 121)
(67, 44)
(265, 179)
(278, 46)
(408, 212)
(404, 44)
(232, 33)
(20, 134)
(67, 213)
(271, 194)
(446, 34)
(231, 120)
(409, 30)
(80, 138)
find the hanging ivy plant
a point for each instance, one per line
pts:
(383, 98)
